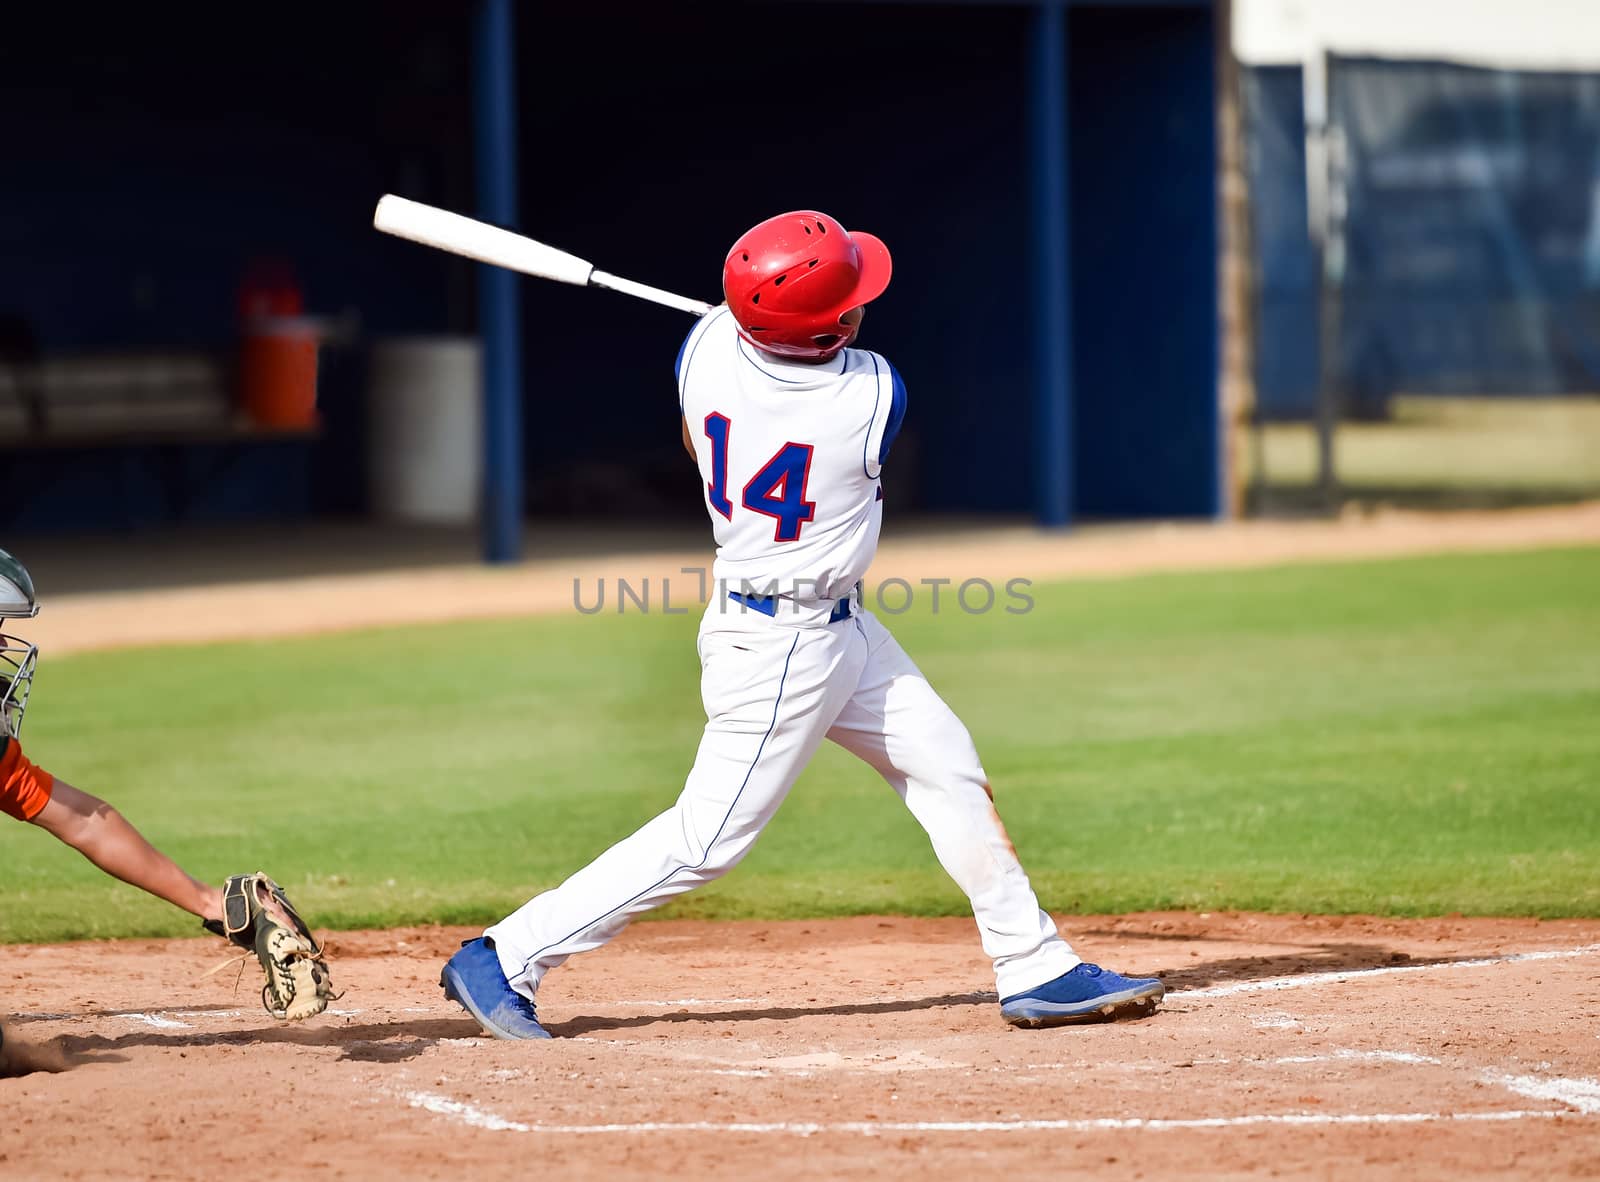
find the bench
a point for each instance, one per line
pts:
(155, 410)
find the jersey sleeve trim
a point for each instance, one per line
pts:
(686, 351)
(897, 413)
(879, 435)
(25, 787)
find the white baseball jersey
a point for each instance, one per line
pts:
(789, 456)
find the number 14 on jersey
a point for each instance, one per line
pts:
(777, 490)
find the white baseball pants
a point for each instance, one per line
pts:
(772, 692)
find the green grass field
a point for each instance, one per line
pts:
(1408, 737)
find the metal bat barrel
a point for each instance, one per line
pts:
(466, 236)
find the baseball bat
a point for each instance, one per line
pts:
(466, 236)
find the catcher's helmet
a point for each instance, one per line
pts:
(789, 280)
(17, 656)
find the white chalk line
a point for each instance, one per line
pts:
(1582, 1094)
(1276, 1022)
(479, 1118)
(156, 1020)
(1301, 981)
(160, 1019)
(1574, 1091)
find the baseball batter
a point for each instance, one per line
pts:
(791, 429)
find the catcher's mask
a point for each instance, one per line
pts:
(17, 656)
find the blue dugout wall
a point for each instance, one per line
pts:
(1144, 262)
(157, 160)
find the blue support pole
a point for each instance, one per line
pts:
(494, 126)
(1052, 263)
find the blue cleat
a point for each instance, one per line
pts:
(1088, 993)
(474, 978)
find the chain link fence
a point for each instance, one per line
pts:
(1426, 252)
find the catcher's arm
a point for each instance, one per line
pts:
(108, 839)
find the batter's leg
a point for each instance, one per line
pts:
(898, 724)
(770, 694)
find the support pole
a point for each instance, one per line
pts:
(1052, 261)
(494, 126)
(1324, 206)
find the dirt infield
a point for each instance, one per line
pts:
(850, 1048)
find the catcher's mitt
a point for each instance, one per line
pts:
(257, 915)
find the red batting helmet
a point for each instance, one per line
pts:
(790, 279)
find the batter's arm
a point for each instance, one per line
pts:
(688, 440)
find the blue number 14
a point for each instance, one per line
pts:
(778, 490)
(717, 491)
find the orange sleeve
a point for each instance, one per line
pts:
(24, 786)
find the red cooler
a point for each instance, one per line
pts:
(277, 351)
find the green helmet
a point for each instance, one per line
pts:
(16, 590)
(17, 656)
